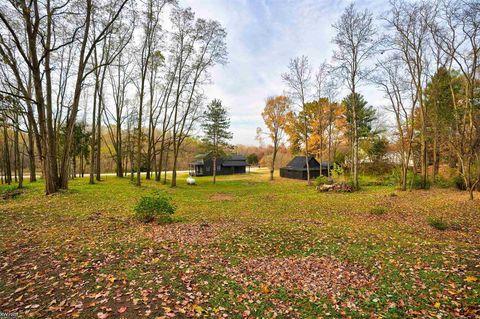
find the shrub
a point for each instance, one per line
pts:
(443, 182)
(416, 182)
(154, 207)
(337, 171)
(437, 223)
(459, 183)
(321, 180)
(378, 210)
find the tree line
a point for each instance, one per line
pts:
(424, 57)
(71, 69)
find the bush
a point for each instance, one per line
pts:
(321, 180)
(459, 183)
(438, 223)
(443, 182)
(416, 182)
(154, 207)
(337, 171)
(379, 210)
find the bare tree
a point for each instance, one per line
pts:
(196, 45)
(356, 43)
(148, 46)
(36, 31)
(332, 115)
(298, 79)
(120, 77)
(391, 77)
(411, 38)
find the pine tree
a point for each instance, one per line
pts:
(216, 127)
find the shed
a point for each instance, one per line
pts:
(297, 168)
(226, 165)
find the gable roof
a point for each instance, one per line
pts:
(298, 162)
(229, 163)
(236, 157)
(232, 160)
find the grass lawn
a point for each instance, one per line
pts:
(245, 247)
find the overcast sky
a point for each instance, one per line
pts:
(263, 35)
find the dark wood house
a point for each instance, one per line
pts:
(227, 165)
(297, 168)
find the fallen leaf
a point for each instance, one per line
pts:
(471, 279)
(102, 315)
(198, 309)
(122, 309)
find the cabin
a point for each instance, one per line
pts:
(226, 165)
(297, 168)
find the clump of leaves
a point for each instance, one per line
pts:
(156, 207)
(378, 210)
(393, 194)
(437, 223)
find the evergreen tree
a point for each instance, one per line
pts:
(440, 111)
(366, 116)
(216, 127)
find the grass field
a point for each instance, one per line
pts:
(245, 247)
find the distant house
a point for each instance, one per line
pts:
(227, 165)
(297, 168)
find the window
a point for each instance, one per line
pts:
(219, 168)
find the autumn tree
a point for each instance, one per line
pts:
(274, 115)
(216, 125)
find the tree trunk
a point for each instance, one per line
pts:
(16, 148)
(6, 154)
(423, 143)
(355, 141)
(274, 157)
(31, 154)
(306, 149)
(174, 167)
(20, 175)
(119, 147)
(166, 166)
(99, 135)
(214, 169)
(93, 136)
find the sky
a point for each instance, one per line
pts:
(263, 35)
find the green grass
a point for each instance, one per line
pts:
(85, 241)
(378, 210)
(437, 223)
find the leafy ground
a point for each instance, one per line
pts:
(245, 247)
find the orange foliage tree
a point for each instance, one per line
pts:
(275, 115)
